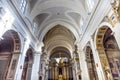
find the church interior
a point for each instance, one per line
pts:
(59, 40)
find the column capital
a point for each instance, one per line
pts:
(39, 46)
(36, 52)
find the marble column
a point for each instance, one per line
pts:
(35, 67)
(97, 61)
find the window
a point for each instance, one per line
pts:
(23, 5)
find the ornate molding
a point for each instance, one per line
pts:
(114, 18)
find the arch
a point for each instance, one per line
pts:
(101, 25)
(15, 37)
(66, 25)
(60, 62)
(91, 63)
(55, 51)
(100, 48)
(29, 54)
(10, 47)
(28, 62)
(64, 44)
(107, 50)
(59, 36)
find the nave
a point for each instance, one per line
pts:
(56, 40)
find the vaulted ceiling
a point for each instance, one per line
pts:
(54, 23)
(49, 13)
(59, 36)
(58, 21)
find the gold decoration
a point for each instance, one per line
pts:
(115, 4)
(118, 12)
(61, 61)
(114, 19)
(104, 61)
(115, 16)
(77, 58)
(60, 77)
(108, 73)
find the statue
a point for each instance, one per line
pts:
(61, 61)
(108, 73)
(109, 77)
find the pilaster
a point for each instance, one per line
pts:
(35, 68)
(21, 59)
(83, 65)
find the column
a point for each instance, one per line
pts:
(20, 64)
(97, 61)
(35, 68)
(29, 70)
(74, 72)
(79, 62)
(46, 71)
(83, 64)
(64, 72)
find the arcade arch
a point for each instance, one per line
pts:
(91, 64)
(28, 62)
(59, 54)
(10, 46)
(108, 52)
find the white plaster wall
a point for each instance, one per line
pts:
(116, 31)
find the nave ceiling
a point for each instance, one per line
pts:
(49, 13)
(58, 21)
(55, 23)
